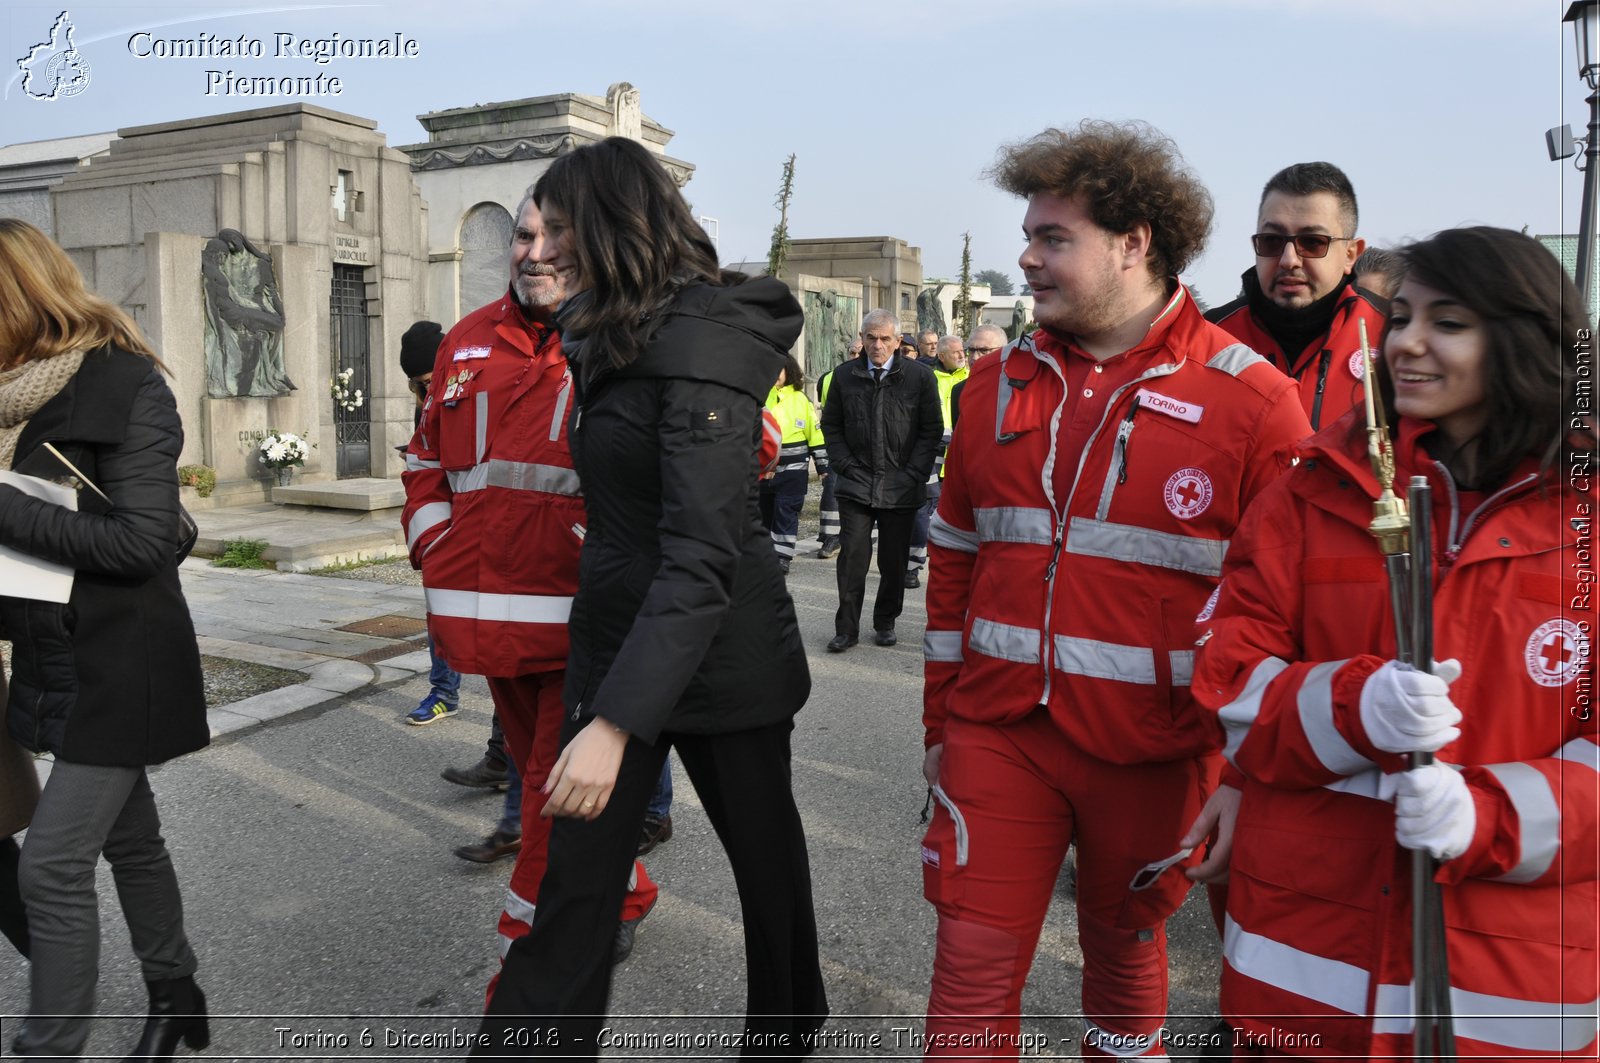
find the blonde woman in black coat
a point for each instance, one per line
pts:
(110, 682)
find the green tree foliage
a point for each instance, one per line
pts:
(778, 254)
(999, 283)
(963, 323)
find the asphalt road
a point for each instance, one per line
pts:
(324, 902)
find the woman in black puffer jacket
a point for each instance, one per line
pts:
(109, 682)
(682, 632)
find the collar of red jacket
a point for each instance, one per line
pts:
(1177, 322)
(1343, 445)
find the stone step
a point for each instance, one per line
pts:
(367, 494)
(301, 538)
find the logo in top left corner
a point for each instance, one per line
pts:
(54, 68)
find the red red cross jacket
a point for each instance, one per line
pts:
(1329, 370)
(494, 517)
(1086, 603)
(1319, 894)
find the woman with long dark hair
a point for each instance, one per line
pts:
(1483, 374)
(110, 681)
(682, 632)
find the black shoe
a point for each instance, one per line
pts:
(783, 565)
(487, 774)
(830, 546)
(913, 579)
(657, 829)
(491, 848)
(885, 637)
(623, 948)
(177, 1013)
(840, 643)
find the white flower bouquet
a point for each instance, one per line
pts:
(346, 399)
(281, 450)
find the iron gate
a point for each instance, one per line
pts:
(351, 350)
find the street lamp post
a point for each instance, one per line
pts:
(1585, 18)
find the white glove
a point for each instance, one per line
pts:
(1433, 810)
(1407, 711)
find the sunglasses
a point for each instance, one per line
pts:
(1306, 245)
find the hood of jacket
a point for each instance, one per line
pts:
(734, 335)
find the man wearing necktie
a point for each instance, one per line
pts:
(883, 416)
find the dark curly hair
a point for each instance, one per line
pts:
(1125, 173)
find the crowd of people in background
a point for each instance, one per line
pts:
(1160, 633)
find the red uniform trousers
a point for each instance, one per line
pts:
(530, 713)
(1011, 799)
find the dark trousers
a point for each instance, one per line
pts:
(918, 557)
(855, 556)
(558, 977)
(782, 498)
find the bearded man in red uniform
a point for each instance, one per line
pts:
(494, 518)
(1097, 473)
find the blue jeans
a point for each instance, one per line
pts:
(446, 681)
(511, 815)
(661, 801)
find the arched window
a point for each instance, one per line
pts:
(485, 255)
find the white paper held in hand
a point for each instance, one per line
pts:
(24, 576)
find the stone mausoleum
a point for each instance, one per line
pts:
(305, 219)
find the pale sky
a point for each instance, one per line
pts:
(1436, 108)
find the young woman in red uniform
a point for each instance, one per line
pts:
(1480, 374)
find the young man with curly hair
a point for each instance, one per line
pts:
(1087, 506)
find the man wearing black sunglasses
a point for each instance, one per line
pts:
(1300, 307)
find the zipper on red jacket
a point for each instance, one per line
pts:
(1456, 541)
(1061, 515)
(1123, 434)
(1322, 385)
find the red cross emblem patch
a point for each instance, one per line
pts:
(1358, 364)
(1556, 652)
(1188, 493)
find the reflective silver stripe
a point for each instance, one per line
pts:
(515, 476)
(1314, 702)
(1015, 524)
(1239, 714)
(790, 450)
(481, 409)
(1005, 641)
(1336, 984)
(560, 415)
(1182, 665)
(1361, 784)
(416, 464)
(1145, 546)
(1002, 397)
(465, 481)
(941, 646)
(1538, 819)
(429, 516)
(1528, 1025)
(942, 533)
(519, 908)
(1581, 751)
(1234, 359)
(1106, 660)
(960, 822)
(516, 608)
(1121, 1045)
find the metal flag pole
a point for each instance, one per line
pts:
(1411, 601)
(1435, 1028)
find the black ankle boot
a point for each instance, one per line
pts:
(177, 1012)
